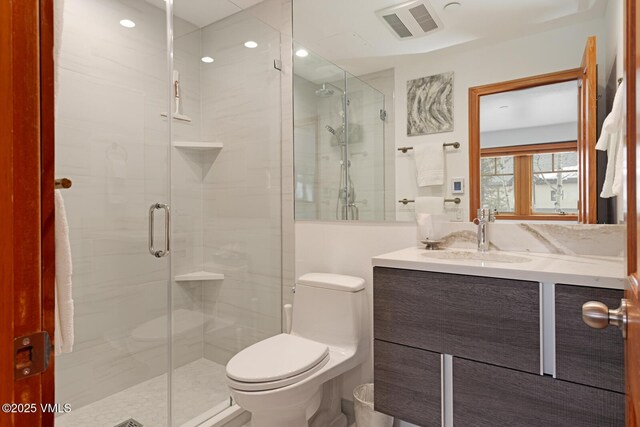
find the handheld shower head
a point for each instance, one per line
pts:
(330, 129)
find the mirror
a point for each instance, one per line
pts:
(528, 148)
(433, 143)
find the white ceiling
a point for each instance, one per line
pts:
(538, 106)
(204, 12)
(347, 29)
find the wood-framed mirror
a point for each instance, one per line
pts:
(532, 142)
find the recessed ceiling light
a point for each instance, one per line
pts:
(251, 44)
(127, 23)
(302, 53)
(207, 59)
(452, 5)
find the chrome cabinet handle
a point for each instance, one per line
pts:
(598, 316)
(167, 230)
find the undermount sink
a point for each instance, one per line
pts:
(480, 256)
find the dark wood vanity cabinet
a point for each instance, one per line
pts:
(408, 383)
(492, 328)
(492, 320)
(585, 355)
(487, 395)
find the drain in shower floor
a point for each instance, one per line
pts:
(129, 423)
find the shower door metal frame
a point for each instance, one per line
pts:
(26, 202)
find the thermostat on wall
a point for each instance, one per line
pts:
(457, 185)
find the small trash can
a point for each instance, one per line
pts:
(363, 405)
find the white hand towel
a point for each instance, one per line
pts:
(427, 209)
(429, 205)
(64, 296)
(429, 158)
(425, 226)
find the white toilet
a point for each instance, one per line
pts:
(281, 380)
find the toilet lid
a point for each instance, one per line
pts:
(276, 358)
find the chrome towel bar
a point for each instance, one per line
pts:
(455, 145)
(407, 201)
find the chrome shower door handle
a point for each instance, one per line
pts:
(167, 230)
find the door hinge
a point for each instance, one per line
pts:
(31, 355)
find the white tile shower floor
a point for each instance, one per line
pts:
(198, 387)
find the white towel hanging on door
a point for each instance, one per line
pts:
(64, 334)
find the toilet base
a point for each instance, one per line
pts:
(322, 410)
(329, 413)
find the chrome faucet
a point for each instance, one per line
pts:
(485, 216)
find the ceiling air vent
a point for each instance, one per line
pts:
(411, 20)
(397, 25)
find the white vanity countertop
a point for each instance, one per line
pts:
(592, 271)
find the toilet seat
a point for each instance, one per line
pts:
(276, 362)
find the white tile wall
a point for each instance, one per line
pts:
(346, 248)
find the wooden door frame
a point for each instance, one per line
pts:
(26, 201)
(474, 120)
(632, 344)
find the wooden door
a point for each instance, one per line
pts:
(26, 201)
(632, 344)
(587, 119)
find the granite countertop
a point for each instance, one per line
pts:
(583, 270)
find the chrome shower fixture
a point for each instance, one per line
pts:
(328, 90)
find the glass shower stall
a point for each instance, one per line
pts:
(169, 124)
(339, 131)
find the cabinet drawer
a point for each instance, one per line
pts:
(585, 355)
(407, 383)
(492, 320)
(486, 395)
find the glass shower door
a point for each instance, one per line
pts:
(113, 143)
(225, 198)
(365, 123)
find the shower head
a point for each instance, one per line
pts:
(330, 129)
(325, 91)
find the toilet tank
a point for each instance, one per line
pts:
(329, 308)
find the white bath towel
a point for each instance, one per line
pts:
(612, 150)
(612, 141)
(429, 158)
(64, 295)
(618, 180)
